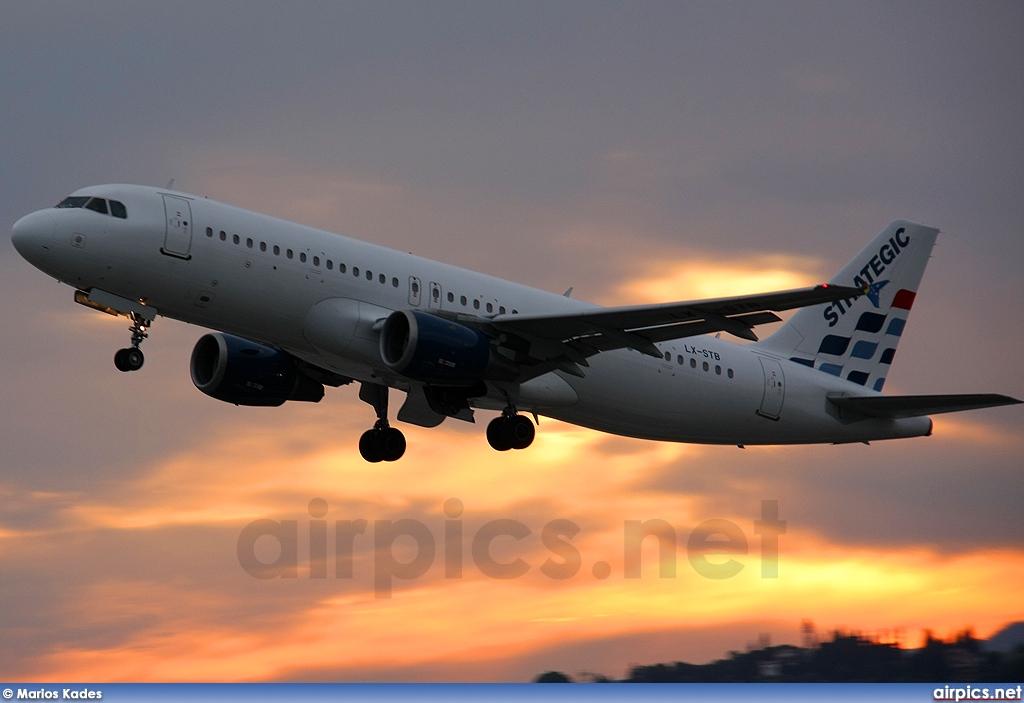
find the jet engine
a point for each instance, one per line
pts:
(238, 371)
(433, 350)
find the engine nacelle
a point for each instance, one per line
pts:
(238, 371)
(433, 350)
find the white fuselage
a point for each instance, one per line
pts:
(244, 282)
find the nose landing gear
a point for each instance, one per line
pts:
(132, 358)
(510, 431)
(383, 442)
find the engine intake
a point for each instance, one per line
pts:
(431, 349)
(238, 371)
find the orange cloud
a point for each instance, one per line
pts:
(469, 621)
(176, 630)
(964, 429)
(693, 279)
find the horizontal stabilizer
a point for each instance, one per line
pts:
(900, 406)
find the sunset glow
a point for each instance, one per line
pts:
(472, 623)
(621, 154)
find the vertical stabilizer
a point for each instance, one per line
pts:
(857, 339)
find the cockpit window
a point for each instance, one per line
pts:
(100, 205)
(73, 201)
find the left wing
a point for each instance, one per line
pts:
(566, 340)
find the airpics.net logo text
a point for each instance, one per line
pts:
(713, 548)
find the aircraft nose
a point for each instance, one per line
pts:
(32, 235)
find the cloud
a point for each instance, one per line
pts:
(934, 492)
(637, 156)
(156, 572)
(692, 279)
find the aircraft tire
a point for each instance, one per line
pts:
(521, 432)
(392, 443)
(498, 434)
(370, 446)
(134, 358)
(119, 361)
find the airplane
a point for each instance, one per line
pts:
(296, 309)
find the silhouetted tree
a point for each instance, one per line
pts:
(552, 677)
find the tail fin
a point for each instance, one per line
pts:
(856, 339)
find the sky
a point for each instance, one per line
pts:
(636, 151)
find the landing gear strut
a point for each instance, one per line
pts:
(383, 442)
(132, 358)
(510, 431)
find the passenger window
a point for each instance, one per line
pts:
(209, 232)
(369, 275)
(223, 236)
(316, 260)
(394, 283)
(706, 367)
(476, 303)
(490, 308)
(668, 356)
(729, 373)
(263, 246)
(290, 254)
(277, 250)
(302, 257)
(451, 297)
(693, 363)
(248, 242)
(462, 299)
(97, 204)
(679, 359)
(330, 265)
(235, 238)
(117, 209)
(341, 268)
(355, 270)
(502, 310)
(382, 278)
(718, 370)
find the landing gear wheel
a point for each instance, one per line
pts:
(370, 446)
(382, 444)
(498, 435)
(392, 442)
(130, 359)
(521, 431)
(510, 432)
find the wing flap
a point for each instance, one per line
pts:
(902, 406)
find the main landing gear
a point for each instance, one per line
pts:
(510, 431)
(132, 358)
(383, 442)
